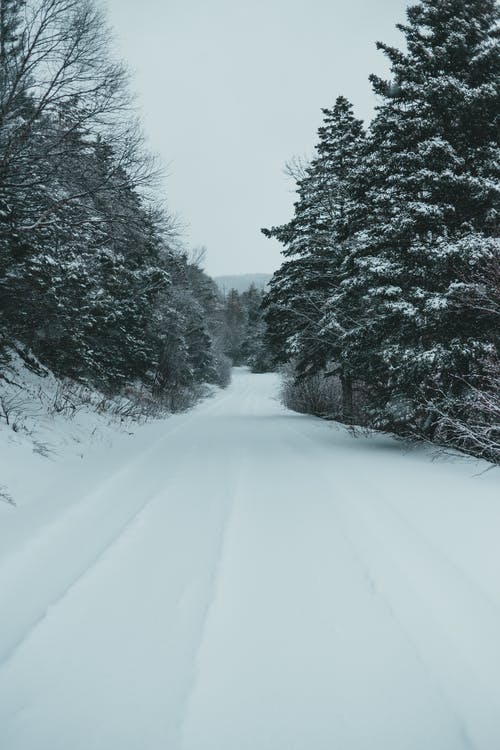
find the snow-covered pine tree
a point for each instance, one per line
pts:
(13, 105)
(432, 183)
(326, 214)
(253, 346)
(10, 22)
(53, 100)
(234, 320)
(90, 278)
(185, 327)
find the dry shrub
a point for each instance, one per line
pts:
(319, 394)
(473, 424)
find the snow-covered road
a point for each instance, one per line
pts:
(246, 578)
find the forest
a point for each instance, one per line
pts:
(254, 511)
(385, 312)
(95, 281)
(387, 305)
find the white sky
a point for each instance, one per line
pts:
(230, 90)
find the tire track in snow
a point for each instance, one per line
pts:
(302, 490)
(210, 604)
(81, 570)
(372, 585)
(246, 406)
(236, 488)
(440, 558)
(362, 517)
(186, 489)
(104, 502)
(252, 588)
(448, 653)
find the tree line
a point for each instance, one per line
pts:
(243, 329)
(93, 278)
(390, 285)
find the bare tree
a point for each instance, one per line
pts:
(474, 426)
(297, 167)
(197, 256)
(59, 84)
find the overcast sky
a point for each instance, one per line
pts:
(229, 90)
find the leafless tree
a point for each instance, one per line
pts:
(60, 83)
(197, 256)
(296, 168)
(475, 426)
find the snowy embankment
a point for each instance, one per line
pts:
(245, 577)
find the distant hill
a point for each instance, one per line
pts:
(242, 281)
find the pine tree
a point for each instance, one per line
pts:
(432, 189)
(13, 103)
(326, 214)
(92, 280)
(253, 346)
(234, 326)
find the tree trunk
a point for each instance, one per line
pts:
(347, 405)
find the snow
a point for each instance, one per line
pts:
(241, 577)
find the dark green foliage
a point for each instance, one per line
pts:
(394, 304)
(91, 279)
(316, 241)
(432, 189)
(244, 330)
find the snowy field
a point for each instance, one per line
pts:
(241, 577)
